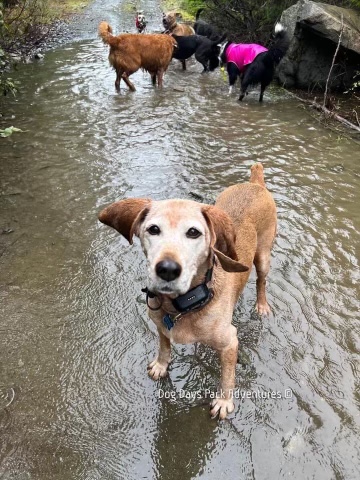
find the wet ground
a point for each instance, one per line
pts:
(75, 399)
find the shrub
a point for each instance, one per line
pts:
(249, 20)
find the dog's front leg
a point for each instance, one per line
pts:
(224, 403)
(158, 368)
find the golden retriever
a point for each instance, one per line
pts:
(129, 52)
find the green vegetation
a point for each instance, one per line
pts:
(247, 20)
(24, 24)
(6, 132)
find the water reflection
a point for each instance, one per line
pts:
(75, 338)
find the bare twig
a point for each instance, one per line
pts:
(328, 113)
(18, 14)
(356, 116)
(333, 61)
(337, 117)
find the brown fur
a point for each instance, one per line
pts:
(241, 231)
(129, 52)
(173, 28)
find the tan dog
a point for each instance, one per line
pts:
(172, 27)
(129, 52)
(180, 239)
(179, 29)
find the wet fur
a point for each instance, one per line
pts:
(206, 51)
(172, 27)
(261, 70)
(205, 29)
(179, 29)
(129, 52)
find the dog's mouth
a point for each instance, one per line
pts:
(168, 290)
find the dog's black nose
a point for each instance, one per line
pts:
(168, 270)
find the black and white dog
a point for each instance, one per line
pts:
(205, 29)
(206, 51)
(254, 63)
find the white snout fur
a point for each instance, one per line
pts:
(173, 243)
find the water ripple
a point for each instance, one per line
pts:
(76, 335)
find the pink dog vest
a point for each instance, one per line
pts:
(243, 53)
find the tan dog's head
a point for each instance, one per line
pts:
(169, 20)
(178, 238)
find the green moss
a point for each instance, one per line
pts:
(129, 6)
(187, 9)
(67, 7)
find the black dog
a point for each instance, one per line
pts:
(205, 29)
(206, 51)
(254, 63)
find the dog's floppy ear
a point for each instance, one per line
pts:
(126, 216)
(223, 238)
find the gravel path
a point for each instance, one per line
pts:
(120, 15)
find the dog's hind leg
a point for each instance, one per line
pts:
(183, 63)
(160, 75)
(158, 368)
(125, 77)
(153, 78)
(262, 262)
(262, 90)
(119, 74)
(262, 265)
(242, 95)
(243, 89)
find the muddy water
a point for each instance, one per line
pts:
(75, 400)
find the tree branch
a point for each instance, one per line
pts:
(333, 61)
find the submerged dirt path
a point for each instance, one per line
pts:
(75, 339)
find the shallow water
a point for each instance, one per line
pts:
(75, 399)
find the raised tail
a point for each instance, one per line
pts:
(105, 32)
(281, 45)
(198, 14)
(257, 175)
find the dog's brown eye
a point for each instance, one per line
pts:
(193, 233)
(154, 230)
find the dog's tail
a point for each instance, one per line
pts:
(281, 45)
(198, 14)
(105, 33)
(257, 175)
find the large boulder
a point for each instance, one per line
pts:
(315, 29)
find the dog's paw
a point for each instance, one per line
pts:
(221, 407)
(157, 370)
(263, 309)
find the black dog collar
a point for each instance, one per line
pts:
(191, 301)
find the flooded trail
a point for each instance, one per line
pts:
(75, 399)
